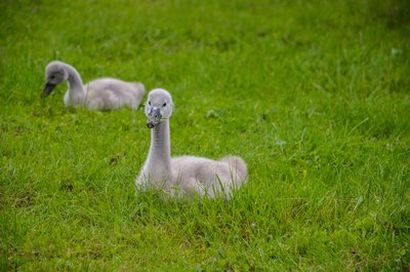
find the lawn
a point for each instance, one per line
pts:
(314, 95)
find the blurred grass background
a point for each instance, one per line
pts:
(313, 94)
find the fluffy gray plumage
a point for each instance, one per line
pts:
(186, 174)
(100, 94)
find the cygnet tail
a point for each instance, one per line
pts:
(139, 90)
(239, 165)
(140, 87)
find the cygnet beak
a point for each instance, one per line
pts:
(48, 88)
(154, 118)
(150, 125)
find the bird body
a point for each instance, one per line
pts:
(185, 174)
(99, 94)
(106, 93)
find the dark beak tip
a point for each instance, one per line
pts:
(150, 125)
(48, 88)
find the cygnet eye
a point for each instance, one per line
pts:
(149, 103)
(164, 104)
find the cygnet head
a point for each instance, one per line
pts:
(158, 107)
(55, 74)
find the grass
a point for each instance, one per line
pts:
(314, 95)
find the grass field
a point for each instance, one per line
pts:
(314, 95)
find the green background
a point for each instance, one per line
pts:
(314, 95)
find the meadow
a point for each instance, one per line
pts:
(314, 95)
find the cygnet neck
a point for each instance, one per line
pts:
(76, 88)
(159, 157)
